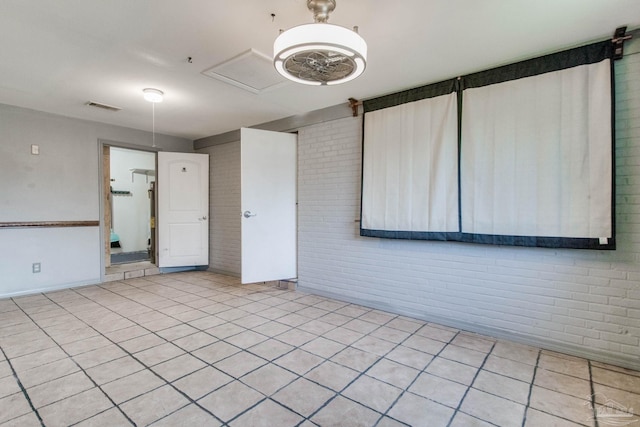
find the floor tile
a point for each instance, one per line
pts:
(269, 379)
(509, 368)
(374, 345)
(561, 405)
(8, 386)
(372, 393)
(303, 396)
(389, 334)
(355, 359)
(345, 413)
(405, 325)
(246, 339)
(131, 386)
(48, 372)
(299, 361)
(83, 346)
(417, 411)
(517, 352)
(155, 355)
(178, 331)
(331, 375)
(98, 356)
(463, 355)
(618, 398)
(126, 333)
(26, 420)
(75, 408)
(573, 367)
(409, 357)
(179, 367)
(463, 420)
(109, 418)
(230, 400)
(194, 341)
(189, 416)
(343, 335)
(502, 386)
(562, 383)
(271, 329)
(377, 317)
(439, 390)
(451, 370)
(13, 406)
(276, 343)
(426, 345)
(295, 337)
(493, 409)
(202, 382)
(616, 379)
(271, 349)
(59, 389)
(216, 352)
(611, 415)
(537, 418)
(38, 358)
(154, 405)
(141, 343)
(393, 373)
(239, 364)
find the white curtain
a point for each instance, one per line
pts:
(536, 155)
(410, 167)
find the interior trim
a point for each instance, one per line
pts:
(49, 224)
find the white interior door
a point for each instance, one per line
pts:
(183, 209)
(268, 193)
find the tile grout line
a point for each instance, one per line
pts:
(420, 372)
(80, 367)
(533, 379)
(125, 351)
(593, 397)
(223, 340)
(470, 386)
(22, 389)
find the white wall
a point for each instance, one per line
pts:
(224, 208)
(577, 301)
(131, 212)
(60, 184)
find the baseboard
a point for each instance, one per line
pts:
(53, 288)
(223, 272)
(552, 345)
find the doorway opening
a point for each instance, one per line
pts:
(129, 213)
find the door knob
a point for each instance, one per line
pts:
(204, 218)
(248, 214)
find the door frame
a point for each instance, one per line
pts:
(102, 143)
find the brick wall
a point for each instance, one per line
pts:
(224, 207)
(577, 301)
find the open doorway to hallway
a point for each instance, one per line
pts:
(129, 214)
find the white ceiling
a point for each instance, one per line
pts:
(58, 54)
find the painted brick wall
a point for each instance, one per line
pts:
(581, 302)
(224, 209)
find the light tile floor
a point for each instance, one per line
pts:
(198, 349)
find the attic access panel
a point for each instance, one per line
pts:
(250, 70)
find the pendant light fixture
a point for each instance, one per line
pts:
(153, 96)
(320, 53)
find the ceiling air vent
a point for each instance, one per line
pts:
(103, 106)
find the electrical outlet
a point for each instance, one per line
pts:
(35, 267)
(35, 149)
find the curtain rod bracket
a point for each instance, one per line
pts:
(619, 37)
(354, 103)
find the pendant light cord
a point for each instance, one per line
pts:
(153, 124)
